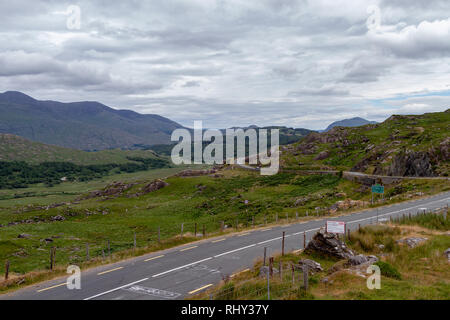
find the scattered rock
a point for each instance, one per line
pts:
(57, 218)
(153, 186)
(361, 259)
(347, 204)
(447, 253)
(313, 266)
(329, 244)
(194, 173)
(412, 242)
(264, 270)
(24, 236)
(323, 155)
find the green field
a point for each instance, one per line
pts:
(202, 200)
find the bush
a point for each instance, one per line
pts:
(388, 270)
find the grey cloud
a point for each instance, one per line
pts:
(287, 62)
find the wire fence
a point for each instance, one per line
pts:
(156, 237)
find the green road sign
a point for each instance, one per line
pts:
(377, 189)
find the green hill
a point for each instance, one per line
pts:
(411, 145)
(15, 148)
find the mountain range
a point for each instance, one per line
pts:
(80, 125)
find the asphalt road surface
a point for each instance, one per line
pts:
(180, 272)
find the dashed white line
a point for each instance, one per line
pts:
(186, 265)
(235, 250)
(112, 290)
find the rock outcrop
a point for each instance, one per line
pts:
(329, 244)
(412, 164)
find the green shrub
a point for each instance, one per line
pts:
(388, 270)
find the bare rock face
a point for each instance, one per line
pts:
(413, 164)
(329, 244)
(444, 148)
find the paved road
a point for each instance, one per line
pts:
(178, 272)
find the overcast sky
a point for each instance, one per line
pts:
(296, 63)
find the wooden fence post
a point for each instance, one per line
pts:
(134, 240)
(87, 252)
(293, 273)
(304, 239)
(282, 244)
(264, 263)
(195, 230)
(271, 266)
(159, 234)
(52, 257)
(182, 226)
(222, 225)
(6, 269)
(305, 276)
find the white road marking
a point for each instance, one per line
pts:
(112, 290)
(175, 269)
(235, 250)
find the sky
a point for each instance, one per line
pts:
(295, 63)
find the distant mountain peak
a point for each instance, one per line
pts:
(352, 122)
(85, 125)
(16, 97)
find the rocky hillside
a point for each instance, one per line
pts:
(413, 145)
(84, 125)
